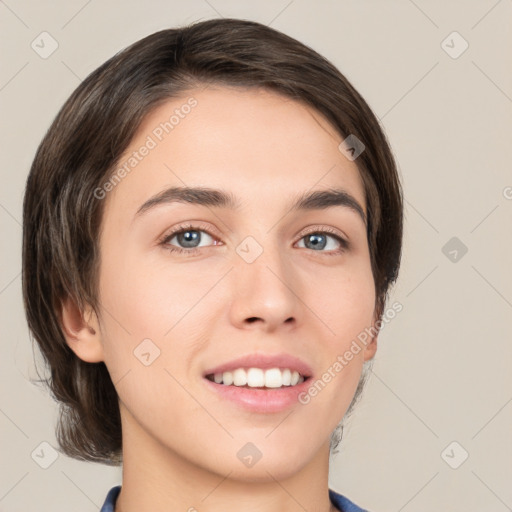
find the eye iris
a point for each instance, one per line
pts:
(316, 240)
(188, 237)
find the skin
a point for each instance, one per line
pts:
(180, 441)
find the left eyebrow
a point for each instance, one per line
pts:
(323, 199)
(204, 196)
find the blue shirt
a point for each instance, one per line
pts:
(340, 502)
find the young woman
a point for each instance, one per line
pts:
(211, 227)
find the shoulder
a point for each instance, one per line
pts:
(110, 500)
(344, 504)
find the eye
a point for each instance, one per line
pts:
(321, 239)
(188, 239)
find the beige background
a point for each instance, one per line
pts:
(442, 372)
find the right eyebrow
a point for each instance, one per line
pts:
(202, 196)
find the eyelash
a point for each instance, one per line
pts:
(344, 244)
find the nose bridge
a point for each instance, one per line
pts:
(262, 282)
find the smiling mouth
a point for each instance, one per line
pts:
(256, 378)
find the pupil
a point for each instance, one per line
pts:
(187, 238)
(314, 238)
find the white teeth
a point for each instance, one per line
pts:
(255, 378)
(239, 377)
(258, 378)
(273, 378)
(226, 378)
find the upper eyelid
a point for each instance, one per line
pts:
(186, 227)
(326, 229)
(305, 232)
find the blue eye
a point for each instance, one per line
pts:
(189, 238)
(319, 240)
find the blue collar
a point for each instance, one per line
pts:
(340, 502)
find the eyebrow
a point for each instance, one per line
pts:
(204, 196)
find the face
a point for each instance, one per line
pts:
(253, 277)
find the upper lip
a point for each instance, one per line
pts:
(263, 361)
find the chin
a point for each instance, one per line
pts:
(260, 461)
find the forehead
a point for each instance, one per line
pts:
(262, 146)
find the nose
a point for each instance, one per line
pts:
(265, 293)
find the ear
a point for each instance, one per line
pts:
(371, 347)
(81, 331)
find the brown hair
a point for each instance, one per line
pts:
(62, 216)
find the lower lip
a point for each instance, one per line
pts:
(260, 400)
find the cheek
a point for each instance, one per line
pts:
(346, 302)
(148, 339)
(151, 307)
(149, 296)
